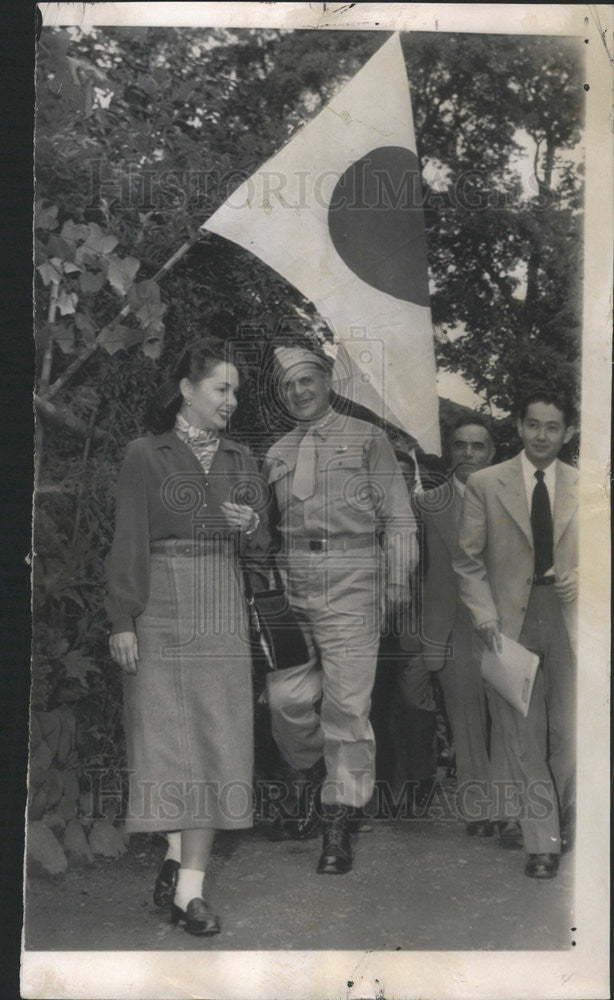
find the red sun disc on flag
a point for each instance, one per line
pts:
(376, 224)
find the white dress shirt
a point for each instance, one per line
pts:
(458, 486)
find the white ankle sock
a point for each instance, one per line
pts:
(173, 852)
(189, 886)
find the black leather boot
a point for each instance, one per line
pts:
(298, 816)
(311, 806)
(336, 857)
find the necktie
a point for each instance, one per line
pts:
(303, 483)
(541, 525)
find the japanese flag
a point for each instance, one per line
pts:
(337, 212)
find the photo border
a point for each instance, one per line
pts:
(583, 970)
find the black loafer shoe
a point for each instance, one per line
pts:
(197, 918)
(510, 835)
(166, 882)
(542, 865)
(483, 828)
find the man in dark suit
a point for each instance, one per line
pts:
(403, 705)
(450, 645)
(517, 566)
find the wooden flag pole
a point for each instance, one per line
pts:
(87, 352)
(39, 433)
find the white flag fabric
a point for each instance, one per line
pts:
(337, 212)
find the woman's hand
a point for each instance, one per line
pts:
(125, 650)
(239, 516)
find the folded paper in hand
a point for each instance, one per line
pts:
(511, 672)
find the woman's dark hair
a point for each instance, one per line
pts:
(195, 362)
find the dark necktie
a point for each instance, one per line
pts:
(541, 524)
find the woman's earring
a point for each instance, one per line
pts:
(188, 402)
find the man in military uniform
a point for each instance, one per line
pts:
(348, 545)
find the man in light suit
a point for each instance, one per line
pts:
(450, 645)
(517, 565)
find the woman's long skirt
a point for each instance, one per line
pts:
(188, 710)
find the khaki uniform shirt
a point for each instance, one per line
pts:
(359, 489)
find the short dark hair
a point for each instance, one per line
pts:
(195, 362)
(471, 420)
(542, 394)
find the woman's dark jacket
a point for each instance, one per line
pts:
(163, 493)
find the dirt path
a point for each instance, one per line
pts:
(417, 885)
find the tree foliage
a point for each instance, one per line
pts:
(143, 133)
(505, 258)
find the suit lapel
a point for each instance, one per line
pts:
(513, 496)
(565, 500)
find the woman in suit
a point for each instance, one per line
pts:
(187, 515)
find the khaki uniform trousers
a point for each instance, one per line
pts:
(322, 706)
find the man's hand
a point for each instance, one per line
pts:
(490, 634)
(125, 650)
(566, 586)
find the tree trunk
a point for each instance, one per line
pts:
(545, 190)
